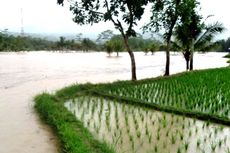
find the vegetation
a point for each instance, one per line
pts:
(120, 13)
(19, 43)
(166, 14)
(194, 35)
(135, 129)
(204, 92)
(73, 136)
(227, 56)
(224, 45)
(122, 115)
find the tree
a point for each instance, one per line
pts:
(153, 47)
(118, 46)
(124, 14)
(109, 47)
(105, 36)
(165, 14)
(88, 44)
(79, 37)
(193, 34)
(189, 27)
(224, 45)
(61, 43)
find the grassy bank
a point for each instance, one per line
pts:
(200, 94)
(73, 136)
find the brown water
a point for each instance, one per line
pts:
(25, 74)
(132, 129)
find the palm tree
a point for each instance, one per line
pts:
(195, 36)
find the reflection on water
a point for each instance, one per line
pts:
(25, 74)
(134, 129)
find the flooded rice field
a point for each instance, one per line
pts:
(25, 74)
(131, 129)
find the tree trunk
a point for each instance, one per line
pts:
(167, 60)
(187, 64)
(117, 54)
(191, 57)
(187, 55)
(191, 62)
(133, 63)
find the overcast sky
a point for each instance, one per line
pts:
(45, 16)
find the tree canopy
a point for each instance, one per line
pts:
(124, 14)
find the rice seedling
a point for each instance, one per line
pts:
(173, 139)
(178, 150)
(186, 144)
(228, 150)
(198, 143)
(150, 138)
(138, 134)
(213, 147)
(156, 148)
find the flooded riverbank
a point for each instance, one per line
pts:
(25, 74)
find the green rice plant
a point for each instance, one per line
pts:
(150, 138)
(178, 150)
(167, 133)
(158, 135)
(138, 134)
(198, 143)
(186, 145)
(196, 130)
(213, 147)
(128, 130)
(225, 139)
(133, 145)
(228, 150)
(173, 139)
(220, 142)
(205, 139)
(190, 133)
(181, 135)
(156, 148)
(130, 138)
(146, 130)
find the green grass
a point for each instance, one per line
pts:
(73, 136)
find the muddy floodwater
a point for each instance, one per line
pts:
(132, 129)
(25, 74)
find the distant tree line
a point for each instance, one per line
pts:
(224, 45)
(112, 43)
(19, 43)
(106, 41)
